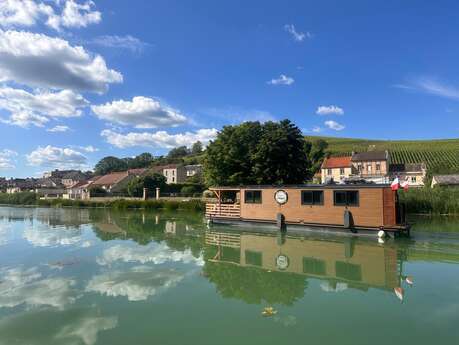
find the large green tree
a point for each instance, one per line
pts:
(255, 153)
(110, 164)
(316, 152)
(151, 182)
(178, 152)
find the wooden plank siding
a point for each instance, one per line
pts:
(390, 217)
(369, 212)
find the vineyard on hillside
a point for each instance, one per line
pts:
(440, 155)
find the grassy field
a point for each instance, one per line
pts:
(437, 154)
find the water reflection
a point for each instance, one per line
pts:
(275, 269)
(110, 277)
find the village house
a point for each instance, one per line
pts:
(413, 173)
(71, 178)
(445, 180)
(174, 173)
(193, 169)
(372, 166)
(117, 181)
(336, 169)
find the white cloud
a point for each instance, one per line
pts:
(154, 253)
(317, 129)
(297, 35)
(334, 125)
(56, 157)
(5, 230)
(25, 286)
(137, 284)
(71, 327)
(282, 80)
(59, 128)
(22, 12)
(89, 148)
(41, 61)
(42, 235)
(74, 14)
(141, 112)
(6, 159)
(160, 139)
(433, 87)
(329, 109)
(127, 42)
(37, 108)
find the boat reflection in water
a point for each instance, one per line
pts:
(287, 260)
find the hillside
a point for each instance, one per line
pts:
(441, 155)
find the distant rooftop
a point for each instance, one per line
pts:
(370, 156)
(337, 162)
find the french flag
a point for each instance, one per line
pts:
(395, 185)
(404, 184)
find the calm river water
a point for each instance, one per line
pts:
(71, 276)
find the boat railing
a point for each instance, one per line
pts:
(223, 210)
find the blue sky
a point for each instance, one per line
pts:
(81, 80)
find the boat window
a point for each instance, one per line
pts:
(346, 197)
(313, 266)
(312, 197)
(253, 258)
(252, 196)
(348, 271)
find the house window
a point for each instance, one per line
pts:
(341, 171)
(378, 166)
(313, 266)
(253, 258)
(346, 197)
(252, 196)
(369, 168)
(329, 171)
(348, 271)
(312, 197)
(413, 179)
(173, 179)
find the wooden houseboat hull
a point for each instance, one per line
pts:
(317, 208)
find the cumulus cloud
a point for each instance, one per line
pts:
(73, 14)
(89, 148)
(127, 42)
(297, 35)
(160, 139)
(329, 109)
(73, 326)
(38, 60)
(56, 157)
(153, 253)
(26, 286)
(282, 80)
(6, 159)
(59, 128)
(37, 108)
(334, 125)
(137, 284)
(141, 112)
(41, 235)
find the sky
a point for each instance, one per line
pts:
(80, 80)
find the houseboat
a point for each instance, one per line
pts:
(365, 208)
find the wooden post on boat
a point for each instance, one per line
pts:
(280, 222)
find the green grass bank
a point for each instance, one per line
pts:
(434, 201)
(31, 199)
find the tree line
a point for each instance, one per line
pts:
(248, 153)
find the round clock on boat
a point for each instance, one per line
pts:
(281, 196)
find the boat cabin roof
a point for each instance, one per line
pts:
(304, 186)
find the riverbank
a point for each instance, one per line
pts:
(31, 199)
(433, 201)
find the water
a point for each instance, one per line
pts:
(70, 276)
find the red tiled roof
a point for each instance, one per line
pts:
(337, 162)
(138, 172)
(110, 179)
